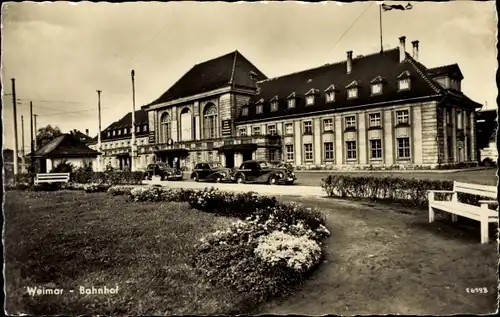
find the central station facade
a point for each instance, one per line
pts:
(382, 109)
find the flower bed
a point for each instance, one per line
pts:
(391, 189)
(271, 247)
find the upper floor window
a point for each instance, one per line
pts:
(404, 84)
(448, 116)
(288, 128)
(274, 106)
(350, 122)
(291, 103)
(328, 125)
(352, 93)
(330, 96)
(256, 130)
(109, 133)
(307, 127)
(402, 117)
(243, 132)
(144, 128)
(244, 111)
(137, 129)
(271, 129)
(259, 109)
(376, 89)
(375, 120)
(310, 100)
(459, 120)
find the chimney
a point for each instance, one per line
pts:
(87, 131)
(402, 48)
(349, 62)
(415, 49)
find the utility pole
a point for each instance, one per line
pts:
(23, 163)
(380, 18)
(132, 163)
(32, 143)
(36, 131)
(15, 127)
(99, 144)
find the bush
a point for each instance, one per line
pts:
(96, 188)
(109, 177)
(120, 190)
(63, 167)
(391, 189)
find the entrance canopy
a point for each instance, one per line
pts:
(173, 152)
(238, 147)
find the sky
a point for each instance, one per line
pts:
(61, 53)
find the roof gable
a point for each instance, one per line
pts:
(447, 70)
(65, 145)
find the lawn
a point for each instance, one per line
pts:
(389, 260)
(70, 239)
(485, 177)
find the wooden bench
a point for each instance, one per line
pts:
(483, 214)
(51, 178)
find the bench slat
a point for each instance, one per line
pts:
(464, 210)
(475, 189)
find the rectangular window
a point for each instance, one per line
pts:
(376, 89)
(375, 120)
(259, 109)
(352, 93)
(137, 129)
(243, 132)
(404, 147)
(307, 127)
(350, 122)
(109, 133)
(244, 111)
(328, 125)
(274, 155)
(256, 130)
(404, 84)
(375, 149)
(351, 150)
(308, 152)
(291, 103)
(289, 152)
(309, 100)
(330, 96)
(271, 129)
(210, 156)
(402, 117)
(459, 120)
(144, 128)
(288, 128)
(448, 116)
(274, 106)
(328, 151)
(450, 148)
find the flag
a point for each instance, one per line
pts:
(388, 7)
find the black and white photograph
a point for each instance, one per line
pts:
(249, 158)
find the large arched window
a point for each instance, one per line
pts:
(210, 122)
(186, 125)
(166, 127)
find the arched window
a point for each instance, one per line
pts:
(166, 128)
(186, 125)
(210, 122)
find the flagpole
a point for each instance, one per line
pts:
(380, 19)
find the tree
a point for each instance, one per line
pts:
(47, 134)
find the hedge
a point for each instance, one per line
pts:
(113, 178)
(390, 189)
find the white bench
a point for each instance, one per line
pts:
(483, 214)
(51, 178)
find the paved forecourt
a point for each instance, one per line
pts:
(294, 190)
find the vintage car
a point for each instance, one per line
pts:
(263, 172)
(164, 171)
(214, 172)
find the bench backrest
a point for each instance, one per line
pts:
(475, 189)
(53, 176)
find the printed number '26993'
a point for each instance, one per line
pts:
(476, 290)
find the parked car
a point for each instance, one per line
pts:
(263, 172)
(214, 172)
(164, 171)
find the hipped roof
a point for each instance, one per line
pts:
(65, 145)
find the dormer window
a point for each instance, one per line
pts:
(120, 132)
(404, 80)
(310, 96)
(144, 128)
(274, 103)
(109, 134)
(244, 111)
(291, 100)
(330, 93)
(377, 83)
(352, 90)
(259, 109)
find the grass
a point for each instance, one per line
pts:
(390, 260)
(70, 239)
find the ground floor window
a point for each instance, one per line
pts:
(308, 152)
(328, 150)
(210, 156)
(274, 155)
(449, 146)
(404, 147)
(289, 152)
(469, 148)
(351, 152)
(198, 157)
(376, 149)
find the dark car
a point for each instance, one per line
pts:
(164, 171)
(211, 172)
(263, 172)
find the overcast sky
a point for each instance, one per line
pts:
(61, 53)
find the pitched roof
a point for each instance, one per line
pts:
(364, 70)
(65, 145)
(81, 136)
(452, 70)
(141, 119)
(230, 69)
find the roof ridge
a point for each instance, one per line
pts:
(421, 73)
(443, 66)
(326, 65)
(234, 66)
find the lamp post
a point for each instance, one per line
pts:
(132, 163)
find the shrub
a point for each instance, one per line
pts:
(120, 190)
(108, 177)
(63, 167)
(392, 189)
(96, 188)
